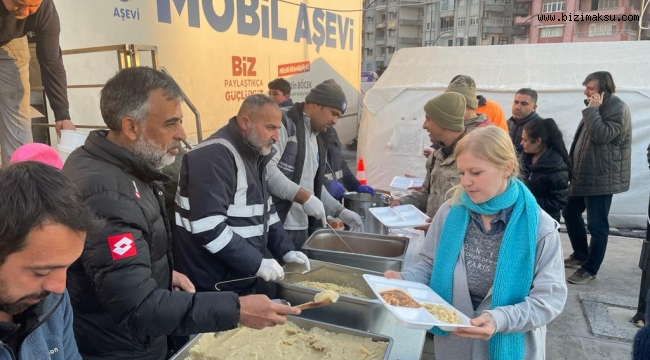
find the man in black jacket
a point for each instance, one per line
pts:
(17, 19)
(601, 154)
(121, 287)
(523, 110)
(225, 218)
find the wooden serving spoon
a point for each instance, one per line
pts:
(313, 305)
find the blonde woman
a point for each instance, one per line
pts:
(494, 255)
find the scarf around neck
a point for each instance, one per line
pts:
(515, 263)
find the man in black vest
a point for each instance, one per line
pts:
(225, 218)
(296, 172)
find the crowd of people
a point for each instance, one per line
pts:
(115, 254)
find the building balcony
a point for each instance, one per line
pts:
(369, 43)
(447, 29)
(380, 41)
(618, 11)
(624, 35)
(519, 31)
(391, 41)
(495, 8)
(410, 40)
(523, 20)
(407, 22)
(381, 25)
(521, 9)
(391, 24)
(494, 29)
(496, 26)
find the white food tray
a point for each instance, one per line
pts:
(414, 318)
(402, 216)
(404, 183)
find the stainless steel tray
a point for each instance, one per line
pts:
(349, 311)
(184, 353)
(371, 251)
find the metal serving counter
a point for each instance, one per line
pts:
(407, 343)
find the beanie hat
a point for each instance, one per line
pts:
(37, 152)
(447, 110)
(466, 86)
(328, 93)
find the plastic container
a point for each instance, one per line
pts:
(404, 183)
(70, 140)
(415, 318)
(402, 216)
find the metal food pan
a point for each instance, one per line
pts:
(371, 251)
(184, 353)
(349, 311)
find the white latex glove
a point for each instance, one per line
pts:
(270, 270)
(314, 207)
(298, 258)
(352, 219)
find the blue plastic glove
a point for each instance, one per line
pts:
(336, 189)
(365, 189)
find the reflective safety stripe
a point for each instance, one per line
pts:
(242, 183)
(339, 175)
(182, 201)
(274, 219)
(245, 210)
(248, 231)
(221, 241)
(199, 226)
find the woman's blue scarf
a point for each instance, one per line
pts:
(513, 276)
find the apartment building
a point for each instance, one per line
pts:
(390, 25)
(545, 22)
(471, 22)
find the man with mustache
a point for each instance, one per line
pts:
(225, 220)
(297, 170)
(523, 110)
(121, 287)
(37, 19)
(43, 224)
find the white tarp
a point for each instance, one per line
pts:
(391, 137)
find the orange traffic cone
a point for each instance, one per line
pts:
(361, 172)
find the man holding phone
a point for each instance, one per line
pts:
(601, 155)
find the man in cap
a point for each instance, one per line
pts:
(444, 129)
(444, 122)
(296, 172)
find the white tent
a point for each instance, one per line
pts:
(391, 137)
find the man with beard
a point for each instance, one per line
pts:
(523, 111)
(297, 170)
(225, 218)
(43, 224)
(121, 287)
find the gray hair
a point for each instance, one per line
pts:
(254, 103)
(127, 94)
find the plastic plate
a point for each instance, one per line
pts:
(404, 183)
(402, 216)
(414, 318)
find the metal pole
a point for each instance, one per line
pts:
(638, 32)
